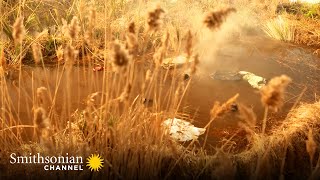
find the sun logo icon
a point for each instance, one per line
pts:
(94, 162)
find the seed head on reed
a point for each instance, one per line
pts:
(311, 146)
(120, 56)
(219, 110)
(195, 63)
(247, 115)
(74, 28)
(70, 55)
(189, 44)
(91, 22)
(148, 75)
(161, 52)
(154, 19)
(272, 95)
(214, 20)
(131, 39)
(36, 52)
(19, 31)
(41, 121)
(59, 54)
(92, 14)
(125, 94)
(249, 120)
(42, 97)
(42, 125)
(132, 28)
(64, 28)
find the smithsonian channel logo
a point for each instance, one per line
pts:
(60, 163)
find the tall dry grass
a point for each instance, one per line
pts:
(115, 120)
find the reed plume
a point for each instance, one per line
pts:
(311, 146)
(70, 55)
(91, 22)
(42, 98)
(195, 64)
(41, 121)
(249, 120)
(148, 75)
(272, 95)
(36, 52)
(215, 19)
(189, 44)
(247, 115)
(125, 94)
(161, 52)
(74, 28)
(19, 31)
(59, 54)
(131, 39)
(65, 28)
(132, 28)
(154, 19)
(43, 127)
(120, 56)
(219, 110)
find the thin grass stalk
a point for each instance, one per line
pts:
(264, 120)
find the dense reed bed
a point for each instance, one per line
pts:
(121, 117)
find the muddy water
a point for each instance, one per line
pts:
(260, 56)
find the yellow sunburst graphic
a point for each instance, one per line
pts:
(95, 162)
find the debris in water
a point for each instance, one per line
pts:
(177, 62)
(226, 76)
(182, 130)
(254, 80)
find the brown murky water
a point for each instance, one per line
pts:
(260, 56)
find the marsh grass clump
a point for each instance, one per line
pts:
(286, 146)
(215, 19)
(280, 28)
